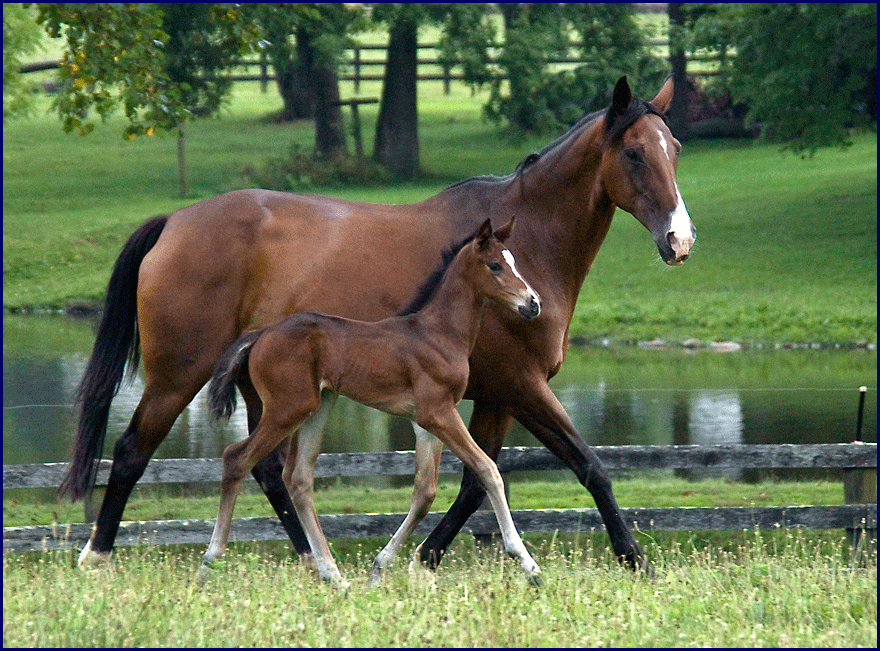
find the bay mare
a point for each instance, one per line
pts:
(195, 280)
(414, 364)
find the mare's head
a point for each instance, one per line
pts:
(639, 164)
(494, 272)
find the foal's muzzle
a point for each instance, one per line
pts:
(530, 311)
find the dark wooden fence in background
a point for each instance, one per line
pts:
(858, 460)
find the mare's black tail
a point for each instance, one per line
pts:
(117, 343)
(221, 390)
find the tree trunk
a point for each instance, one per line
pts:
(181, 161)
(329, 125)
(678, 123)
(397, 138)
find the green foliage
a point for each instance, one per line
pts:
(21, 36)
(537, 99)
(807, 71)
(146, 58)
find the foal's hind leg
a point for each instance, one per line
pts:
(238, 460)
(428, 449)
(299, 475)
(268, 475)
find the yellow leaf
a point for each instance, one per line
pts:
(150, 131)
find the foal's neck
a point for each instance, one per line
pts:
(456, 308)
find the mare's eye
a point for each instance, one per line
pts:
(494, 267)
(634, 155)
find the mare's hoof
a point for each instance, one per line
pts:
(422, 574)
(535, 579)
(92, 560)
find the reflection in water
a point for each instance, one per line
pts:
(716, 419)
(614, 397)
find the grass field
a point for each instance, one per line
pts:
(786, 247)
(783, 589)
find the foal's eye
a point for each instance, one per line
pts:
(634, 155)
(494, 267)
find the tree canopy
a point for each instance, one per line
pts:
(806, 71)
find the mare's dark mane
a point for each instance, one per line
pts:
(615, 127)
(429, 287)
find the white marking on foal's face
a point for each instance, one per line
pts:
(529, 293)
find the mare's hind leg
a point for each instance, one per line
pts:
(428, 449)
(268, 475)
(150, 424)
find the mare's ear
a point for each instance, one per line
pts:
(664, 98)
(483, 235)
(504, 232)
(621, 98)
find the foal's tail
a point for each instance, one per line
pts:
(117, 343)
(221, 391)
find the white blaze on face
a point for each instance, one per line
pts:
(680, 220)
(665, 146)
(508, 257)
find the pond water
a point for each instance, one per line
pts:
(615, 396)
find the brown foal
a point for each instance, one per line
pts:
(414, 364)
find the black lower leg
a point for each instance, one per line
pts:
(470, 496)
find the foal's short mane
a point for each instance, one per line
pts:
(429, 287)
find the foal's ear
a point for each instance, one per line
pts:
(504, 232)
(621, 98)
(664, 98)
(483, 235)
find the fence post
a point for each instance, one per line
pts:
(357, 69)
(860, 485)
(264, 73)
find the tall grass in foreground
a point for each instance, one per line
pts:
(783, 590)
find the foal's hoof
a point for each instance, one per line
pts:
(375, 575)
(92, 560)
(535, 579)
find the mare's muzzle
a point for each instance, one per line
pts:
(674, 247)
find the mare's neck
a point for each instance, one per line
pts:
(563, 215)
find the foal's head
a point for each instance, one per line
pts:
(493, 270)
(638, 169)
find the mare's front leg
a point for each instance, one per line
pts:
(545, 417)
(427, 475)
(299, 476)
(449, 428)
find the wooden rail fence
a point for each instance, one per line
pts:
(859, 518)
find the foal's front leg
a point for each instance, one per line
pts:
(428, 449)
(448, 427)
